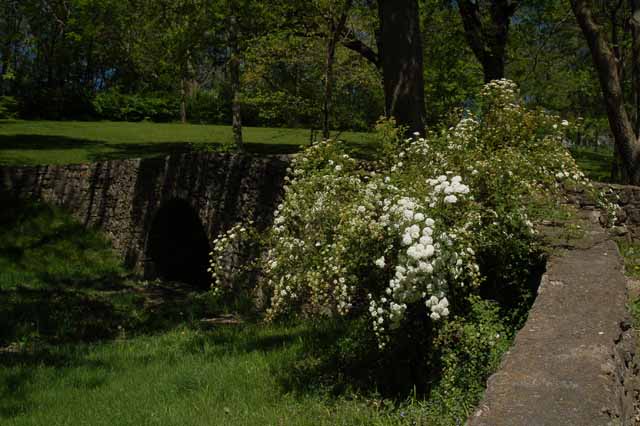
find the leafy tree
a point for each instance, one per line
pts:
(606, 60)
(335, 17)
(11, 20)
(185, 29)
(451, 73)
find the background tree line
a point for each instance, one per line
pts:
(318, 64)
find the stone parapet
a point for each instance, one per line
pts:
(573, 363)
(122, 197)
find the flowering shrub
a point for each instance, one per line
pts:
(233, 260)
(378, 237)
(422, 258)
(411, 231)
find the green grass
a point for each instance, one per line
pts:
(228, 376)
(36, 237)
(80, 344)
(594, 162)
(631, 255)
(68, 142)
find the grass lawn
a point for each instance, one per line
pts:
(67, 142)
(225, 376)
(83, 344)
(594, 162)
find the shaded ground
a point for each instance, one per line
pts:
(77, 315)
(60, 282)
(83, 344)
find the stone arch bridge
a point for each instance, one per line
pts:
(159, 213)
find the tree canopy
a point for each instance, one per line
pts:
(322, 64)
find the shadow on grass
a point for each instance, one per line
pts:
(248, 338)
(18, 372)
(56, 316)
(60, 282)
(30, 142)
(148, 150)
(95, 150)
(105, 151)
(69, 315)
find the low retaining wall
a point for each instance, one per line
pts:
(573, 362)
(624, 196)
(122, 197)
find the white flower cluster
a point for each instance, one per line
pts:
(439, 307)
(451, 189)
(504, 92)
(427, 263)
(463, 134)
(312, 261)
(227, 260)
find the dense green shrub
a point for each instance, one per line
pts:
(8, 107)
(341, 357)
(209, 106)
(116, 106)
(280, 109)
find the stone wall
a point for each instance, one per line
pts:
(123, 196)
(573, 362)
(626, 197)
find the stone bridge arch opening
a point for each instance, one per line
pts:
(177, 246)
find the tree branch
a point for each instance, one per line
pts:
(352, 43)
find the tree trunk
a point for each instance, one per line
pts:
(605, 62)
(4, 83)
(183, 101)
(488, 42)
(328, 85)
(234, 71)
(336, 30)
(634, 23)
(493, 67)
(402, 63)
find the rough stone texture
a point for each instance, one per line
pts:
(122, 197)
(573, 362)
(626, 197)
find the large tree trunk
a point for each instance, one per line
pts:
(402, 63)
(328, 87)
(234, 71)
(488, 42)
(606, 65)
(336, 29)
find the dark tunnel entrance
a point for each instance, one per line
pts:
(177, 246)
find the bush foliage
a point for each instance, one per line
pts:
(424, 255)
(8, 107)
(116, 106)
